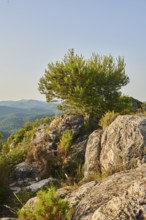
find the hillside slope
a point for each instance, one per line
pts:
(13, 114)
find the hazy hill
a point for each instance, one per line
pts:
(29, 104)
(13, 114)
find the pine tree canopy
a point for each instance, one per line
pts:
(90, 87)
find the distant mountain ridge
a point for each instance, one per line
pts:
(13, 114)
(25, 104)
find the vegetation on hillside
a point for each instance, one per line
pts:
(14, 150)
(48, 206)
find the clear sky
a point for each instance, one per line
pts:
(36, 32)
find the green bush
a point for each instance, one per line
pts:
(48, 207)
(108, 118)
(66, 141)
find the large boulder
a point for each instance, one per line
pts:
(123, 143)
(121, 196)
(92, 155)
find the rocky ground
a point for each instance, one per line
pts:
(114, 178)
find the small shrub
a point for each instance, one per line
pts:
(48, 207)
(108, 118)
(66, 141)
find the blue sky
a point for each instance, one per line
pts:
(36, 32)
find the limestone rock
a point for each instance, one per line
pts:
(92, 155)
(121, 196)
(42, 183)
(75, 196)
(124, 143)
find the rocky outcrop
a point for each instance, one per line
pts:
(43, 156)
(92, 155)
(121, 146)
(121, 196)
(50, 134)
(123, 143)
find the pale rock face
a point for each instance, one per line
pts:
(124, 143)
(75, 196)
(92, 155)
(121, 196)
(129, 205)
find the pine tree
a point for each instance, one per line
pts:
(90, 87)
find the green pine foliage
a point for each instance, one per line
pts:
(107, 119)
(66, 141)
(91, 87)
